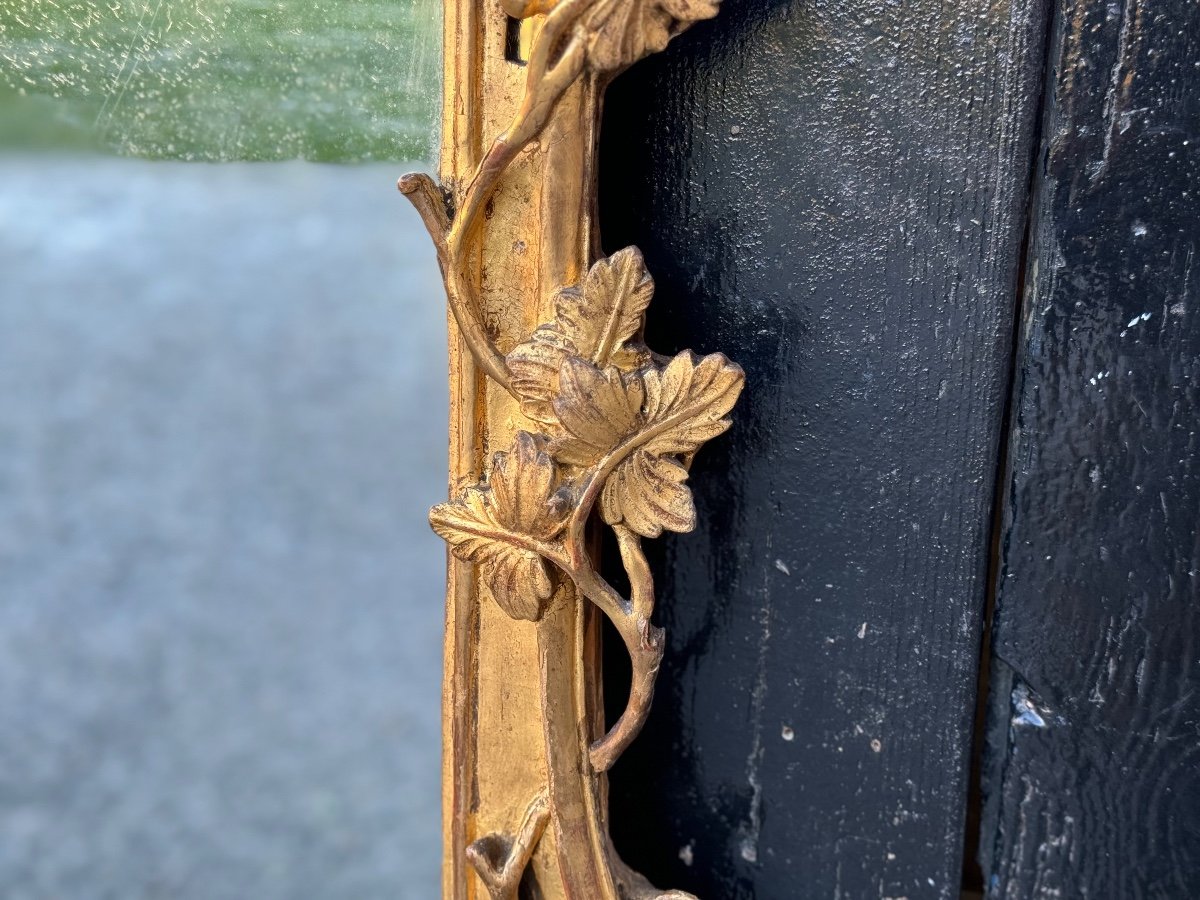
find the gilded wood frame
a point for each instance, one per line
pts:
(562, 422)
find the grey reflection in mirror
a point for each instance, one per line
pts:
(222, 418)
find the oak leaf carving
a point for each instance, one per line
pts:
(686, 404)
(498, 526)
(598, 321)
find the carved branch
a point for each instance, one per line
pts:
(644, 643)
(616, 438)
(431, 205)
(500, 860)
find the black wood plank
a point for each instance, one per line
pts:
(1093, 772)
(834, 194)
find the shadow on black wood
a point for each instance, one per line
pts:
(834, 195)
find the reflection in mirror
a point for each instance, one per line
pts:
(223, 418)
(331, 80)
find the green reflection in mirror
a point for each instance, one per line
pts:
(331, 80)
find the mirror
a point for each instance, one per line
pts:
(222, 358)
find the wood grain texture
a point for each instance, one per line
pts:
(834, 194)
(1093, 771)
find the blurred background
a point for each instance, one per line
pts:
(222, 420)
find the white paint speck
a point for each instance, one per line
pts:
(782, 567)
(862, 632)
(1138, 320)
(1139, 230)
(787, 733)
(877, 745)
(1025, 711)
(687, 854)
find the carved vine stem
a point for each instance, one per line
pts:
(613, 429)
(546, 82)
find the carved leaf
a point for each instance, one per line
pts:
(534, 365)
(648, 494)
(597, 409)
(621, 32)
(523, 483)
(497, 526)
(686, 404)
(598, 322)
(615, 296)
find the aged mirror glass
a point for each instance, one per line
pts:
(222, 345)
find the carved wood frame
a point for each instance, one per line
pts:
(562, 422)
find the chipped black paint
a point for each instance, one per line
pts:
(833, 194)
(1093, 771)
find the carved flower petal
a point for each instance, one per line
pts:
(623, 31)
(495, 526)
(614, 29)
(685, 405)
(594, 322)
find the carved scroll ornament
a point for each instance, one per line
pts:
(608, 431)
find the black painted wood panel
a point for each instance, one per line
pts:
(834, 194)
(1093, 771)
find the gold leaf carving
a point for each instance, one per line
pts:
(623, 428)
(597, 409)
(615, 297)
(534, 365)
(623, 31)
(501, 527)
(686, 404)
(618, 428)
(647, 493)
(597, 322)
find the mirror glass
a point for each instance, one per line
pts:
(322, 80)
(223, 418)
